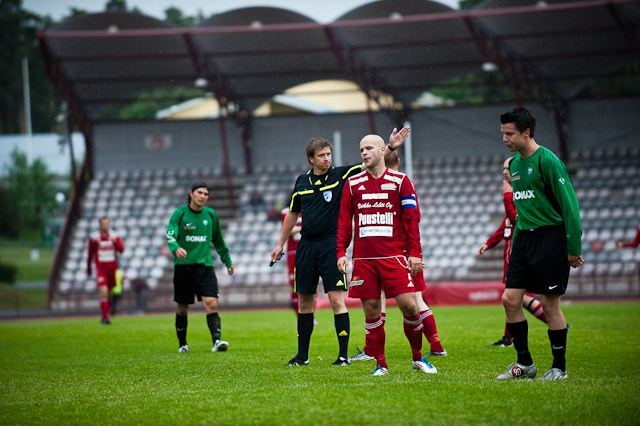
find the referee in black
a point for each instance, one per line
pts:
(316, 195)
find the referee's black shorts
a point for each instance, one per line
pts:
(194, 280)
(316, 259)
(539, 261)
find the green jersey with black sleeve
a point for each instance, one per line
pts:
(543, 196)
(194, 232)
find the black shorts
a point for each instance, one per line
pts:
(539, 261)
(190, 280)
(316, 259)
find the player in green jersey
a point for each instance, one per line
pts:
(546, 242)
(192, 229)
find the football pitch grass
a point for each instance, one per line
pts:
(77, 371)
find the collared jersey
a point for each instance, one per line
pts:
(543, 196)
(318, 199)
(194, 232)
(103, 248)
(385, 213)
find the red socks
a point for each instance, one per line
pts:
(294, 301)
(375, 340)
(104, 307)
(538, 313)
(413, 330)
(506, 331)
(430, 330)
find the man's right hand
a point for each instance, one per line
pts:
(181, 253)
(482, 249)
(277, 253)
(506, 187)
(343, 264)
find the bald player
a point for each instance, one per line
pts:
(383, 204)
(392, 161)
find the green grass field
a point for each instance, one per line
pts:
(28, 270)
(77, 371)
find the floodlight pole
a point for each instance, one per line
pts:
(337, 148)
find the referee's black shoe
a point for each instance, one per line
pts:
(341, 361)
(295, 361)
(502, 343)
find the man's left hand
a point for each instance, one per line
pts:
(575, 261)
(397, 138)
(230, 269)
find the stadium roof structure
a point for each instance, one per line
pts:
(547, 50)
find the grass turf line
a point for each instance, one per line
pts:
(81, 372)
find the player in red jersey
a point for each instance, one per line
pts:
(505, 232)
(633, 244)
(383, 203)
(103, 245)
(392, 161)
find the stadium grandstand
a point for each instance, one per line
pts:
(395, 51)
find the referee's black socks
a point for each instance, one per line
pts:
(305, 328)
(343, 330)
(213, 321)
(558, 339)
(519, 336)
(181, 329)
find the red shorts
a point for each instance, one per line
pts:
(371, 276)
(106, 277)
(418, 280)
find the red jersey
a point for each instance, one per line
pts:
(505, 231)
(292, 241)
(104, 247)
(635, 242)
(386, 216)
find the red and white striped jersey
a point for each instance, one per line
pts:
(385, 214)
(103, 248)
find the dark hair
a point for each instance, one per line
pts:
(521, 118)
(103, 218)
(199, 184)
(391, 159)
(316, 144)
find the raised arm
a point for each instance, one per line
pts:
(507, 199)
(397, 138)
